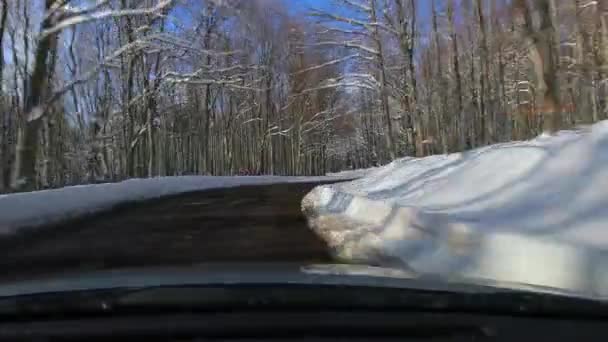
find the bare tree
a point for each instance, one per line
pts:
(107, 90)
(588, 108)
(485, 124)
(458, 80)
(543, 52)
(368, 29)
(27, 145)
(3, 18)
(3, 118)
(601, 53)
(54, 20)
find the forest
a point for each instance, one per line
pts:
(107, 90)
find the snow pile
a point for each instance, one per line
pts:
(29, 210)
(352, 174)
(532, 212)
(358, 173)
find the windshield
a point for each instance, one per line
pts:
(452, 138)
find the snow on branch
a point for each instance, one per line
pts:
(86, 16)
(330, 63)
(344, 31)
(68, 9)
(138, 44)
(326, 120)
(349, 44)
(232, 84)
(363, 77)
(56, 7)
(588, 4)
(275, 130)
(317, 115)
(384, 27)
(331, 85)
(184, 44)
(331, 16)
(240, 67)
(358, 6)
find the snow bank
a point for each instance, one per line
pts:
(29, 210)
(532, 212)
(352, 174)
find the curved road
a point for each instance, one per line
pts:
(245, 224)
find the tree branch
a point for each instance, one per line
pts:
(88, 17)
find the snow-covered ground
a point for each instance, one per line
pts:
(29, 210)
(529, 212)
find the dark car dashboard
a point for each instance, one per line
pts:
(253, 304)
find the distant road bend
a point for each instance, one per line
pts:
(244, 224)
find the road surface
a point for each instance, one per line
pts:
(245, 224)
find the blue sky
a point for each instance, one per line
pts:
(424, 6)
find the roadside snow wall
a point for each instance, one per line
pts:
(532, 212)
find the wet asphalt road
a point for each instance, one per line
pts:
(245, 224)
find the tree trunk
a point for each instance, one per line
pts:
(4, 159)
(548, 47)
(441, 134)
(485, 129)
(2, 28)
(24, 172)
(587, 106)
(414, 88)
(455, 60)
(383, 87)
(601, 54)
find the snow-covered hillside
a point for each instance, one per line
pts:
(531, 212)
